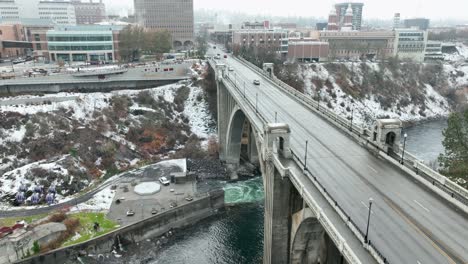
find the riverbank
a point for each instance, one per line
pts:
(185, 215)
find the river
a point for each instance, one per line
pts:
(236, 235)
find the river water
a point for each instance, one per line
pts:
(236, 235)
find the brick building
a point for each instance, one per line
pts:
(89, 12)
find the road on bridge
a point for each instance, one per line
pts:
(409, 223)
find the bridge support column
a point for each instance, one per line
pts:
(277, 216)
(224, 112)
(252, 147)
(278, 196)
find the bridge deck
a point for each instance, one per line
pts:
(409, 223)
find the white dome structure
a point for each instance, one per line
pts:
(147, 188)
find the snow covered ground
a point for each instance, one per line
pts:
(368, 109)
(101, 201)
(81, 106)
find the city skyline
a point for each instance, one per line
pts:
(372, 9)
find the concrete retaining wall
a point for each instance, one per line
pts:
(157, 225)
(97, 86)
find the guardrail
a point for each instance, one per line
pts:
(361, 135)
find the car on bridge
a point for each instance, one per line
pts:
(256, 82)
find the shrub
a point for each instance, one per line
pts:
(57, 217)
(36, 248)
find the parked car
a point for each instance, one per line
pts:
(230, 68)
(19, 60)
(256, 82)
(225, 56)
(217, 57)
(164, 181)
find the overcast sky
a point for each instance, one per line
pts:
(383, 9)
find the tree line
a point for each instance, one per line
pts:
(136, 40)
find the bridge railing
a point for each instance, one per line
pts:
(362, 135)
(341, 212)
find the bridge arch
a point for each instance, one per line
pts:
(240, 132)
(308, 242)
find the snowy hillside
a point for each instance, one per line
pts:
(70, 140)
(408, 91)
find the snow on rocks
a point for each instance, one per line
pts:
(196, 109)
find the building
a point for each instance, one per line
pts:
(285, 25)
(60, 12)
(333, 20)
(38, 37)
(433, 51)
(307, 50)
(419, 23)
(343, 8)
(396, 20)
(82, 43)
(11, 34)
(359, 44)
(271, 40)
(256, 25)
(57, 12)
(89, 12)
(410, 44)
(176, 16)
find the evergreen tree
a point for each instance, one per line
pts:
(454, 161)
(36, 248)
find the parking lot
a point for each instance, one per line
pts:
(145, 205)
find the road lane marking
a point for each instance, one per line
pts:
(422, 206)
(372, 168)
(417, 229)
(372, 211)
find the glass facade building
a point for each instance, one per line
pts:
(83, 43)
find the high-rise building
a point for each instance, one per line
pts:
(174, 15)
(419, 23)
(89, 12)
(396, 20)
(341, 10)
(58, 12)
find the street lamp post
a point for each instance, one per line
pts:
(305, 156)
(403, 152)
(368, 220)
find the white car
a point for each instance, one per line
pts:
(164, 181)
(230, 69)
(256, 82)
(217, 57)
